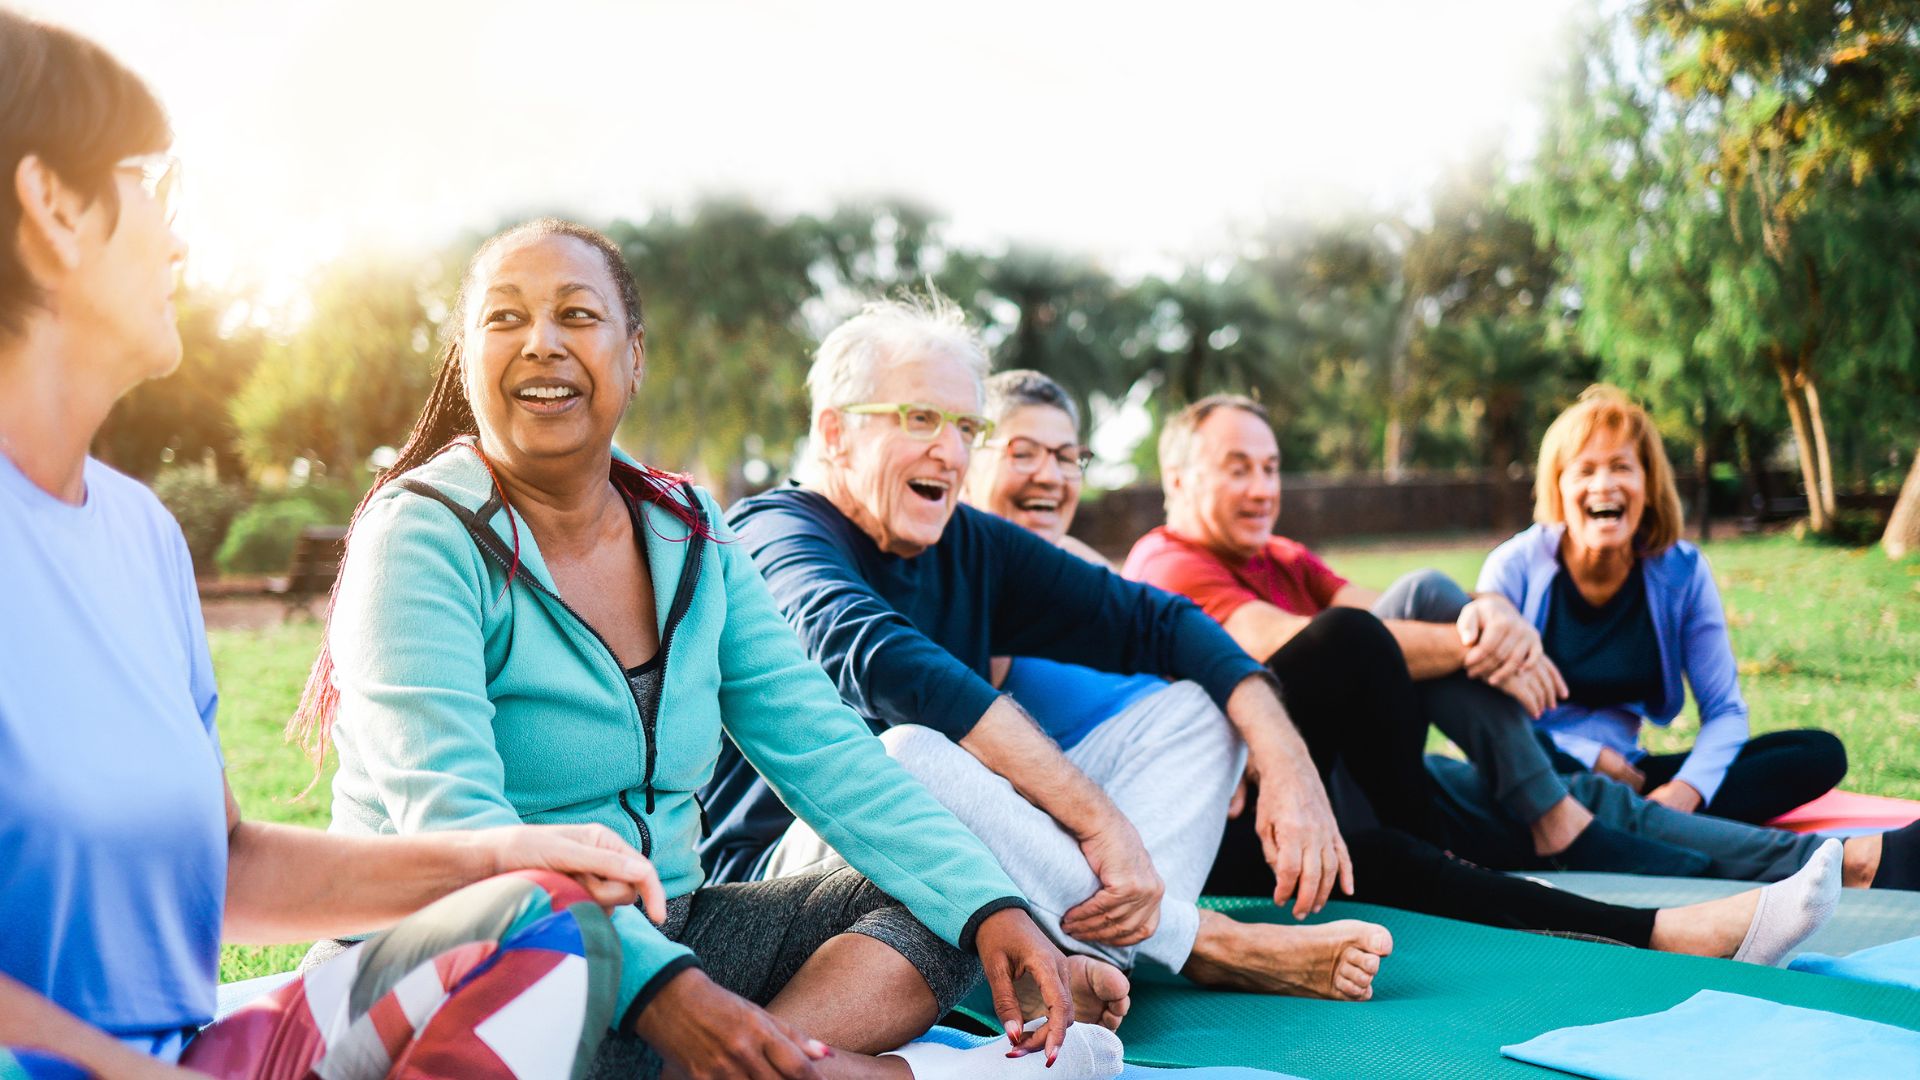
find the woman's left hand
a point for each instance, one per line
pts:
(1010, 947)
(1677, 795)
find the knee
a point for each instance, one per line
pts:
(912, 741)
(1824, 756)
(1356, 636)
(1427, 596)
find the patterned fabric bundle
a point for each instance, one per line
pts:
(513, 977)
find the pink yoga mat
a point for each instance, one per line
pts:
(1844, 811)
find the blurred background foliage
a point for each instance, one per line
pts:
(1722, 215)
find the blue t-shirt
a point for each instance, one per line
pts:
(113, 826)
(1068, 700)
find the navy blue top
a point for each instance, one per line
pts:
(908, 640)
(1608, 653)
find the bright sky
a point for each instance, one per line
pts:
(1132, 132)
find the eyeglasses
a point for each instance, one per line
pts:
(1025, 455)
(925, 422)
(159, 178)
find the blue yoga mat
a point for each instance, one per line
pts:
(1895, 964)
(964, 1041)
(1714, 1034)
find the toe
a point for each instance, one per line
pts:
(1363, 960)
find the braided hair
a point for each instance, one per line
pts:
(446, 423)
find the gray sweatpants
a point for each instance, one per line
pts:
(1169, 762)
(1503, 790)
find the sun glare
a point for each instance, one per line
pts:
(312, 130)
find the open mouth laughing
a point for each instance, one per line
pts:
(929, 489)
(547, 395)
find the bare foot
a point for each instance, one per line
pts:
(1101, 993)
(1335, 960)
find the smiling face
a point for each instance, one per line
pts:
(549, 360)
(1042, 501)
(1603, 493)
(1227, 496)
(900, 490)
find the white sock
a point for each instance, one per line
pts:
(1791, 910)
(1090, 1052)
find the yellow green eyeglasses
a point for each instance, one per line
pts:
(925, 422)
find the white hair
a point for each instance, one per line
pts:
(847, 364)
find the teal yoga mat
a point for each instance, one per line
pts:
(1451, 995)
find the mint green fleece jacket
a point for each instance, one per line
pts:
(467, 702)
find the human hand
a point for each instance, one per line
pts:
(1677, 795)
(1011, 948)
(1300, 840)
(1126, 909)
(1499, 640)
(606, 866)
(709, 1033)
(1611, 763)
(1537, 687)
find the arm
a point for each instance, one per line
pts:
(1297, 831)
(878, 661)
(1261, 628)
(1126, 909)
(287, 884)
(414, 715)
(1489, 640)
(31, 1022)
(1714, 675)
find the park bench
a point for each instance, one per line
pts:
(313, 567)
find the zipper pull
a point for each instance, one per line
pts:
(649, 796)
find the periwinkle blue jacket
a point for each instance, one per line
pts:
(1691, 626)
(468, 702)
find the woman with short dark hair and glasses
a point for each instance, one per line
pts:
(124, 860)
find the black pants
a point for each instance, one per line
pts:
(1346, 686)
(1774, 773)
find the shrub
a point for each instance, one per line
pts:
(204, 507)
(261, 539)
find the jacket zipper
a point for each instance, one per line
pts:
(485, 539)
(646, 834)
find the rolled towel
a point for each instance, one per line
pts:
(1790, 910)
(1089, 1052)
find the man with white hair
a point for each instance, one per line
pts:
(904, 596)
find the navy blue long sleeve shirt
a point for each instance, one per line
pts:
(907, 640)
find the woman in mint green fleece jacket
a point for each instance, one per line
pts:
(531, 628)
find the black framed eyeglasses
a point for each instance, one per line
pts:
(1025, 455)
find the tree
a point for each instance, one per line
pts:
(1680, 294)
(1816, 109)
(351, 378)
(185, 416)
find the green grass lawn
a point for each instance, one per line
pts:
(1826, 636)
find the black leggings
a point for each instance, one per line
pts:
(1346, 687)
(1774, 773)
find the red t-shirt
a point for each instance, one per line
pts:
(1284, 574)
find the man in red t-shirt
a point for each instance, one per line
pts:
(1478, 667)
